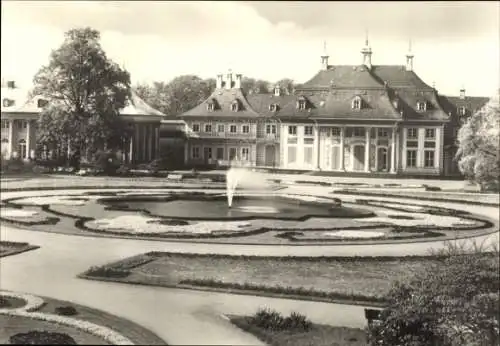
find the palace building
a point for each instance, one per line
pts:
(347, 118)
(20, 112)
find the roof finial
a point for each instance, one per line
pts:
(366, 38)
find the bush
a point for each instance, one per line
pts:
(35, 337)
(273, 320)
(107, 272)
(65, 311)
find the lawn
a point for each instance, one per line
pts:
(318, 335)
(362, 277)
(8, 248)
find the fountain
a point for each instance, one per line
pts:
(243, 176)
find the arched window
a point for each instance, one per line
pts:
(301, 103)
(235, 106)
(422, 106)
(356, 103)
(274, 107)
(461, 110)
(21, 148)
(210, 107)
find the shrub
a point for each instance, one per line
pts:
(35, 337)
(123, 170)
(65, 311)
(273, 320)
(107, 272)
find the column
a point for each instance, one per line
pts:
(131, 148)
(11, 137)
(150, 142)
(342, 149)
(68, 153)
(28, 139)
(438, 150)
(393, 150)
(186, 152)
(316, 142)
(157, 139)
(368, 131)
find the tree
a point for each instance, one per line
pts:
(453, 302)
(255, 86)
(287, 85)
(478, 149)
(86, 91)
(179, 95)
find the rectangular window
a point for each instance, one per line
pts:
(5, 124)
(208, 128)
(232, 153)
(292, 130)
(308, 155)
(271, 129)
(383, 133)
(208, 153)
(195, 152)
(358, 132)
(308, 141)
(232, 128)
(221, 128)
(196, 127)
(412, 133)
(429, 144)
(429, 158)
(292, 140)
(308, 130)
(412, 144)
(245, 154)
(292, 154)
(245, 129)
(336, 132)
(430, 133)
(411, 158)
(220, 153)
(461, 111)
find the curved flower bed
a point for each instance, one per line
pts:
(14, 212)
(33, 303)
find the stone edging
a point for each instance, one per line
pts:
(34, 303)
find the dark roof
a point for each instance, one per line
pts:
(397, 77)
(223, 99)
(471, 103)
(343, 76)
(409, 98)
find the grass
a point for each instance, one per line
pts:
(326, 278)
(317, 335)
(8, 248)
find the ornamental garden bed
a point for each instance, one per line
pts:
(315, 334)
(12, 325)
(8, 248)
(323, 279)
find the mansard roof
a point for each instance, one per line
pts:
(408, 103)
(223, 98)
(398, 77)
(343, 76)
(23, 102)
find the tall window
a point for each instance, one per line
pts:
(292, 130)
(412, 133)
(301, 104)
(21, 148)
(245, 129)
(383, 132)
(208, 128)
(195, 152)
(430, 133)
(356, 103)
(308, 130)
(358, 132)
(208, 153)
(270, 129)
(220, 128)
(421, 106)
(232, 128)
(196, 127)
(245, 154)
(232, 153)
(461, 110)
(411, 158)
(292, 154)
(210, 107)
(234, 106)
(5, 124)
(336, 132)
(429, 158)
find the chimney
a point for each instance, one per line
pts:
(462, 94)
(229, 80)
(218, 84)
(277, 90)
(237, 83)
(11, 84)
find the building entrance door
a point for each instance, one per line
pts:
(383, 160)
(207, 154)
(358, 158)
(270, 160)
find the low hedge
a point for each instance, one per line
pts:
(43, 337)
(66, 310)
(107, 272)
(281, 290)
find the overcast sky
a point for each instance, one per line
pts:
(455, 43)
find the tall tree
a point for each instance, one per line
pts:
(179, 95)
(86, 91)
(287, 85)
(478, 149)
(255, 86)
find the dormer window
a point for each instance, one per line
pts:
(277, 90)
(41, 103)
(461, 110)
(210, 107)
(421, 106)
(356, 103)
(273, 107)
(8, 102)
(301, 103)
(235, 106)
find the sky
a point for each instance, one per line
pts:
(456, 44)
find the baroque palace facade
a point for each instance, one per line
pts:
(20, 112)
(349, 118)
